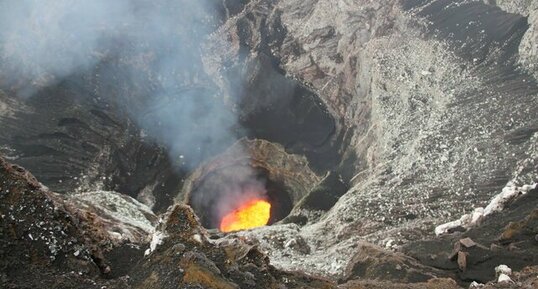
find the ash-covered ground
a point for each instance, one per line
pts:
(418, 118)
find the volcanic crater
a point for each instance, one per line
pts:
(394, 142)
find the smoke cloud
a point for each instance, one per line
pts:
(43, 42)
(148, 51)
(144, 56)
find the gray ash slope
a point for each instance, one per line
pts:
(434, 107)
(436, 96)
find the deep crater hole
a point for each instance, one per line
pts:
(234, 190)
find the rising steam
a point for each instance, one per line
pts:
(145, 54)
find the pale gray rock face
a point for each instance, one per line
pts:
(528, 49)
(523, 7)
(441, 118)
(123, 218)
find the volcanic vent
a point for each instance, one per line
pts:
(253, 183)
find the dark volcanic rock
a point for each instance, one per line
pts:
(42, 244)
(505, 238)
(73, 140)
(61, 246)
(182, 254)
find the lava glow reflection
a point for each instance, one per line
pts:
(251, 214)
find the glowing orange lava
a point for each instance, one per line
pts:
(254, 213)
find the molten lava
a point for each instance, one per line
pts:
(251, 214)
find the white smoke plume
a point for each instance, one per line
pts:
(144, 55)
(156, 44)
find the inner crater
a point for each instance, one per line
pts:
(236, 189)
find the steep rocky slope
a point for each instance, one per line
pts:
(528, 50)
(418, 111)
(437, 112)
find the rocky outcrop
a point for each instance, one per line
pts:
(69, 244)
(122, 217)
(184, 256)
(507, 237)
(66, 244)
(43, 240)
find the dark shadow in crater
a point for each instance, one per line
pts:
(282, 110)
